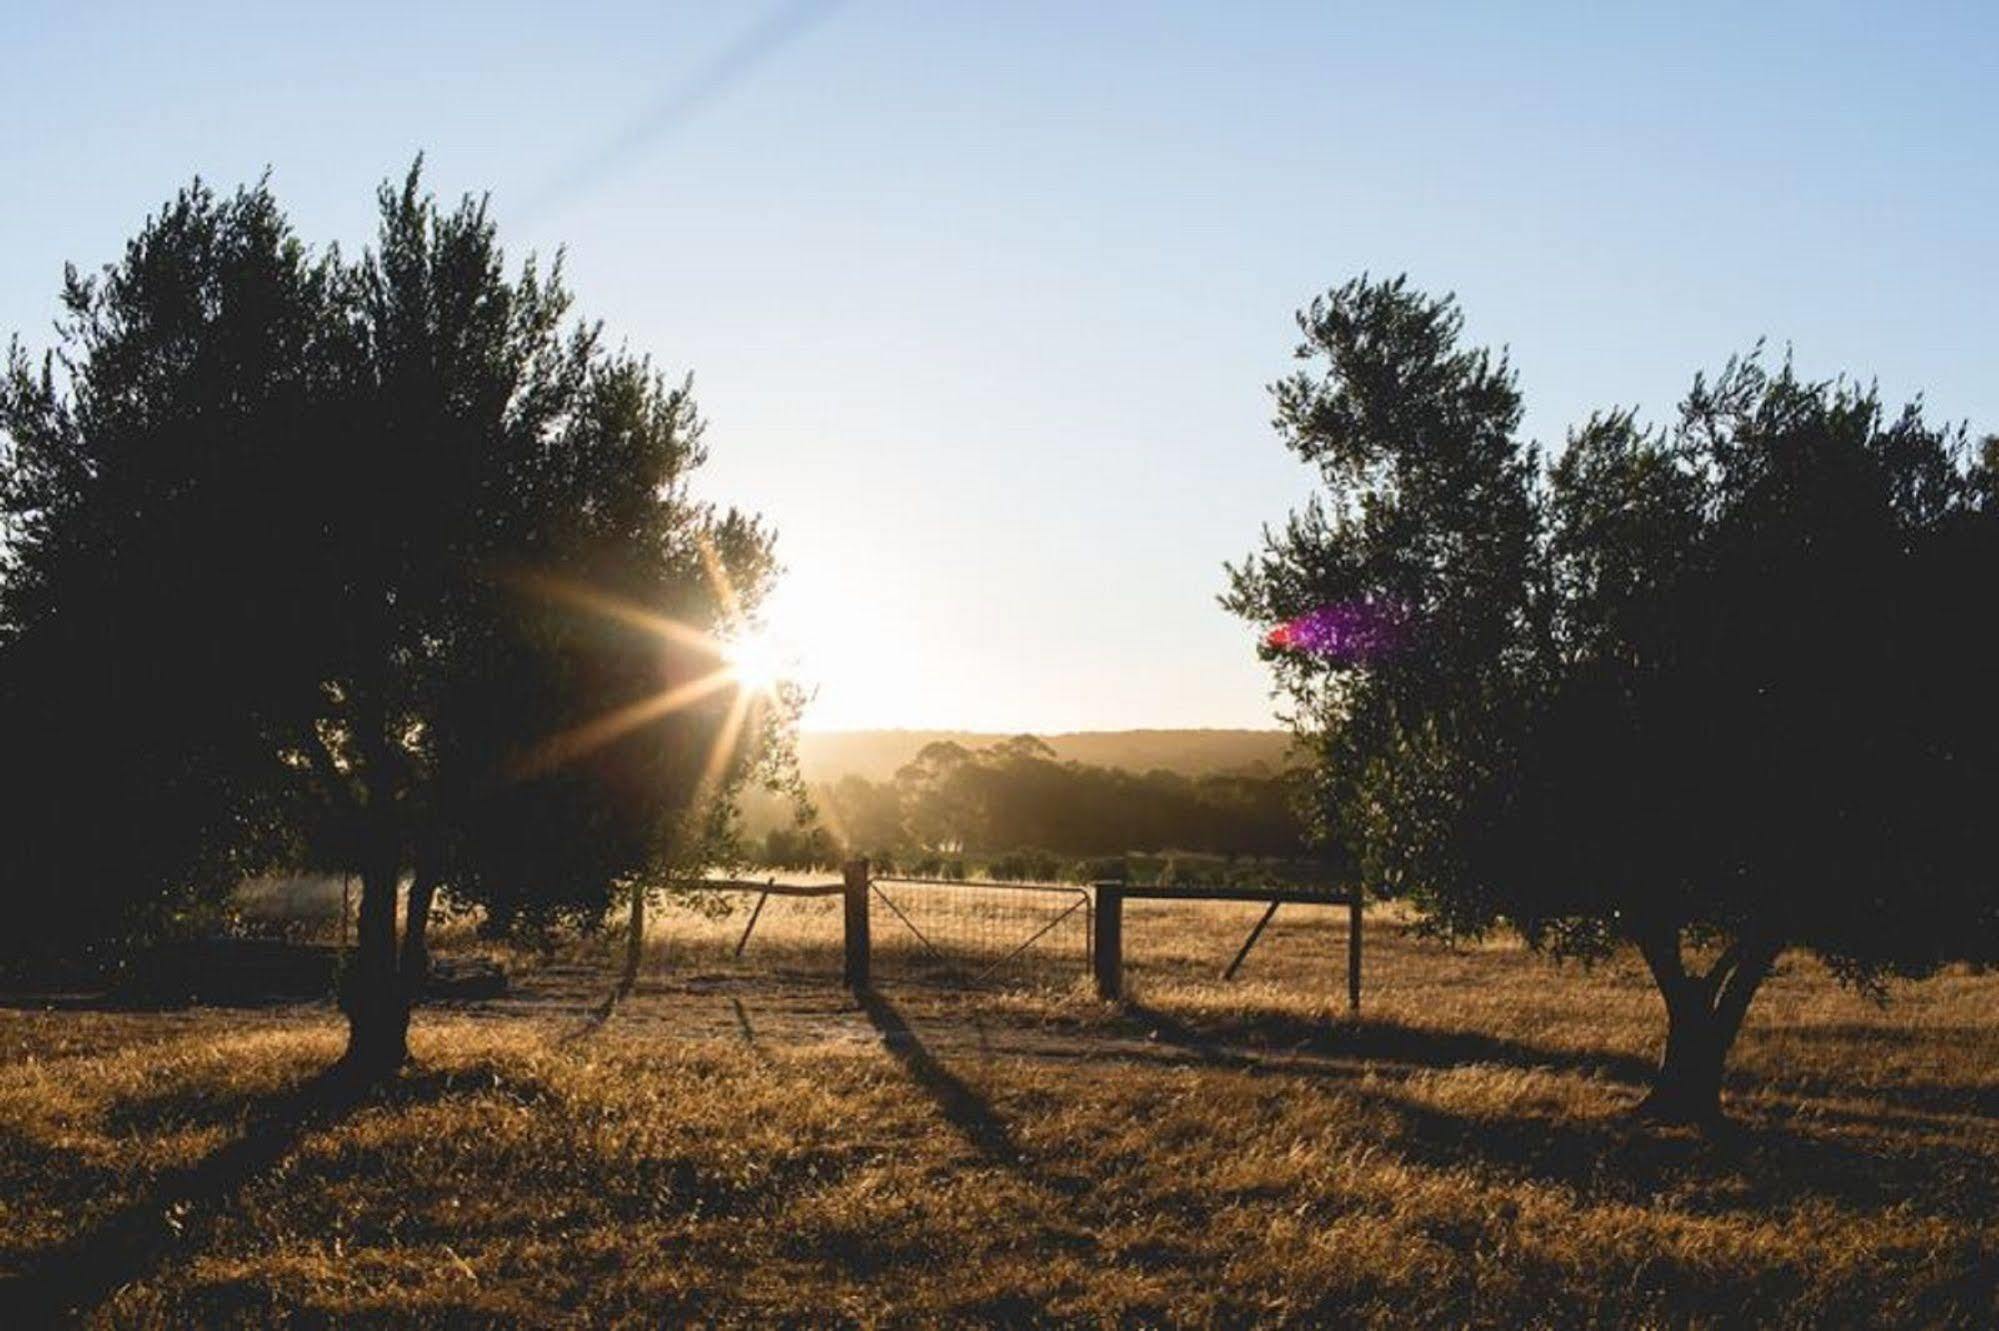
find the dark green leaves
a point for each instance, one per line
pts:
(1717, 675)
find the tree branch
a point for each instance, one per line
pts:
(1724, 967)
(1759, 956)
(328, 767)
(1659, 943)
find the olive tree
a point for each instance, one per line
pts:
(1713, 690)
(384, 566)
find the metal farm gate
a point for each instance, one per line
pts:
(950, 931)
(953, 931)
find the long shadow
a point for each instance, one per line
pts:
(600, 1015)
(962, 1106)
(749, 1032)
(593, 1021)
(1246, 1040)
(1164, 1026)
(1754, 1166)
(1373, 1039)
(76, 1277)
(1775, 1162)
(1919, 1097)
(112, 1001)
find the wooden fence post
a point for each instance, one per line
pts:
(1107, 958)
(1353, 951)
(858, 947)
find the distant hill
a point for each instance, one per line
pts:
(828, 755)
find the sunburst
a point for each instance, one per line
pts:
(748, 661)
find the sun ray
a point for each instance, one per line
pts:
(724, 746)
(579, 740)
(718, 577)
(828, 813)
(748, 664)
(584, 597)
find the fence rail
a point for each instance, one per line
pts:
(1107, 956)
(769, 887)
(937, 928)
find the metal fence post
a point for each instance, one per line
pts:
(1107, 950)
(858, 946)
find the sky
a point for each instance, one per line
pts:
(982, 301)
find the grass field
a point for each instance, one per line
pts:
(741, 1143)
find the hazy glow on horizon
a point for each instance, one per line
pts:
(981, 301)
(864, 666)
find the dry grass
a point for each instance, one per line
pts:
(742, 1145)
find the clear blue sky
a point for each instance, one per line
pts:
(981, 299)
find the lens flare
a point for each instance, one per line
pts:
(749, 663)
(1345, 632)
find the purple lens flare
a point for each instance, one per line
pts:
(1348, 632)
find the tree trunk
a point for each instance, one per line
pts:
(1704, 1014)
(1687, 1086)
(416, 935)
(378, 1013)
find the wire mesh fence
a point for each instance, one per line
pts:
(954, 932)
(897, 929)
(781, 929)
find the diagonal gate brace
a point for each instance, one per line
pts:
(1250, 942)
(750, 928)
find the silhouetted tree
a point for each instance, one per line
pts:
(152, 647)
(1717, 690)
(386, 567)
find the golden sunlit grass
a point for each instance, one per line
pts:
(738, 1148)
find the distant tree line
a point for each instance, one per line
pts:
(1013, 810)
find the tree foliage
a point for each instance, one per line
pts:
(1717, 688)
(368, 565)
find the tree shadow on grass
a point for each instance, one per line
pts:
(1746, 1164)
(74, 1278)
(1248, 1039)
(118, 1003)
(1745, 1167)
(1914, 1097)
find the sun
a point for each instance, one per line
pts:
(757, 661)
(751, 660)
